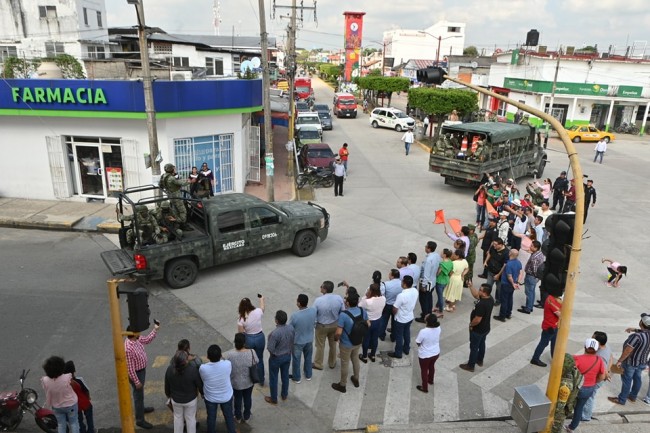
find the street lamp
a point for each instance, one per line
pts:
(440, 39)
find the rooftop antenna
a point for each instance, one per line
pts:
(216, 11)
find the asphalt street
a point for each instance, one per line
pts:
(55, 294)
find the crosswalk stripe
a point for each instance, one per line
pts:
(493, 405)
(445, 394)
(349, 404)
(398, 395)
(498, 372)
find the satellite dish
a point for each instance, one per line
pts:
(256, 62)
(474, 65)
(246, 64)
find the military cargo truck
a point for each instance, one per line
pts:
(222, 229)
(464, 152)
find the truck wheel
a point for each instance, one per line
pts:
(180, 273)
(374, 124)
(398, 128)
(540, 169)
(304, 244)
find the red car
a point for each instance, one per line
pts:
(319, 155)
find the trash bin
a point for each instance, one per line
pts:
(530, 408)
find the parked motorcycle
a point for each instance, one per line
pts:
(14, 404)
(626, 128)
(315, 177)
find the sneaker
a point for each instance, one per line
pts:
(538, 363)
(523, 310)
(338, 387)
(308, 378)
(480, 364)
(646, 400)
(296, 381)
(372, 358)
(632, 399)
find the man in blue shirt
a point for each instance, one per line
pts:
(279, 345)
(328, 306)
(390, 289)
(428, 282)
(346, 348)
(304, 323)
(217, 389)
(510, 277)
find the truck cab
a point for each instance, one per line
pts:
(344, 105)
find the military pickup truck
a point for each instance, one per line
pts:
(464, 152)
(224, 229)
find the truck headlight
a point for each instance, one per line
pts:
(322, 223)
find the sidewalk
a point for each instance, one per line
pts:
(101, 217)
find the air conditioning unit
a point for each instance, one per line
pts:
(181, 76)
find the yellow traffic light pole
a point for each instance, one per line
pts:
(555, 375)
(121, 372)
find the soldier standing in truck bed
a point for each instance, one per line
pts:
(172, 187)
(148, 227)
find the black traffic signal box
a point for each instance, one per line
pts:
(432, 75)
(138, 303)
(557, 250)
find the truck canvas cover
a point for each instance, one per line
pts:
(496, 131)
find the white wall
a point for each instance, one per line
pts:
(408, 44)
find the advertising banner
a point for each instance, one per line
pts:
(353, 35)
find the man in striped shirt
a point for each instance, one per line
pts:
(136, 362)
(634, 360)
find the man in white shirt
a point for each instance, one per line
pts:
(403, 310)
(408, 139)
(339, 176)
(601, 148)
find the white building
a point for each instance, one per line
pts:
(37, 29)
(441, 39)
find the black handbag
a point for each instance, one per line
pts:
(252, 370)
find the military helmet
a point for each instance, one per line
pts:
(141, 209)
(165, 205)
(169, 168)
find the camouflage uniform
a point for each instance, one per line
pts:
(471, 256)
(148, 227)
(172, 187)
(566, 398)
(168, 222)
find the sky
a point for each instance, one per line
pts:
(490, 24)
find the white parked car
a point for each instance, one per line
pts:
(309, 118)
(391, 118)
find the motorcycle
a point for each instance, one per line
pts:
(315, 177)
(14, 404)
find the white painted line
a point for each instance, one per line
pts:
(398, 394)
(349, 405)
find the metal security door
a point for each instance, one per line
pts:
(59, 171)
(90, 176)
(253, 154)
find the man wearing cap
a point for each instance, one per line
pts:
(633, 360)
(489, 235)
(590, 197)
(339, 175)
(471, 255)
(503, 226)
(560, 185)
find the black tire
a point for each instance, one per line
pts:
(635, 130)
(540, 169)
(301, 181)
(606, 139)
(375, 124)
(48, 423)
(327, 182)
(304, 243)
(180, 273)
(398, 128)
(576, 139)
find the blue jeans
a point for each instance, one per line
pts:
(599, 154)
(387, 316)
(402, 332)
(647, 396)
(371, 340)
(299, 350)
(426, 302)
(243, 396)
(529, 283)
(257, 342)
(589, 405)
(631, 382)
(507, 293)
(548, 336)
(67, 415)
(279, 364)
(476, 348)
(583, 395)
(440, 302)
(226, 410)
(138, 395)
(407, 147)
(497, 283)
(480, 215)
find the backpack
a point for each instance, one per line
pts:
(359, 328)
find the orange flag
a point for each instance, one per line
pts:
(440, 217)
(455, 225)
(490, 209)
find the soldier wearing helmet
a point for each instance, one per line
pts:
(169, 227)
(172, 187)
(148, 228)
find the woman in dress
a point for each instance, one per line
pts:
(428, 341)
(454, 290)
(182, 386)
(250, 323)
(374, 303)
(241, 359)
(59, 394)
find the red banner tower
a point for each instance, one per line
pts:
(353, 32)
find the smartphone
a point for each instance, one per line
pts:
(156, 322)
(340, 284)
(259, 295)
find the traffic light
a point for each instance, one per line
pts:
(432, 75)
(557, 250)
(138, 303)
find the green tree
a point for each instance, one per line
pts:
(470, 51)
(376, 84)
(438, 102)
(368, 51)
(19, 68)
(69, 66)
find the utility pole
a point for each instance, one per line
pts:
(268, 128)
(148, 92)
(550, 104)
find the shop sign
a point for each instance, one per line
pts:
(586, 89)
(52, 95)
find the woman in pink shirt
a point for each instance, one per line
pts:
(250, 323)
(59, 394)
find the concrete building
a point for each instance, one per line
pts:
(604, 92)
(37, 29)
(441, 39)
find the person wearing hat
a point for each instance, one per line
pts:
(471, 255)
(339, 175)
(633, 360)
(503, 226)
(594, 371)
(560, 185)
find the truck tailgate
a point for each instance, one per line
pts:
(119, 262)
